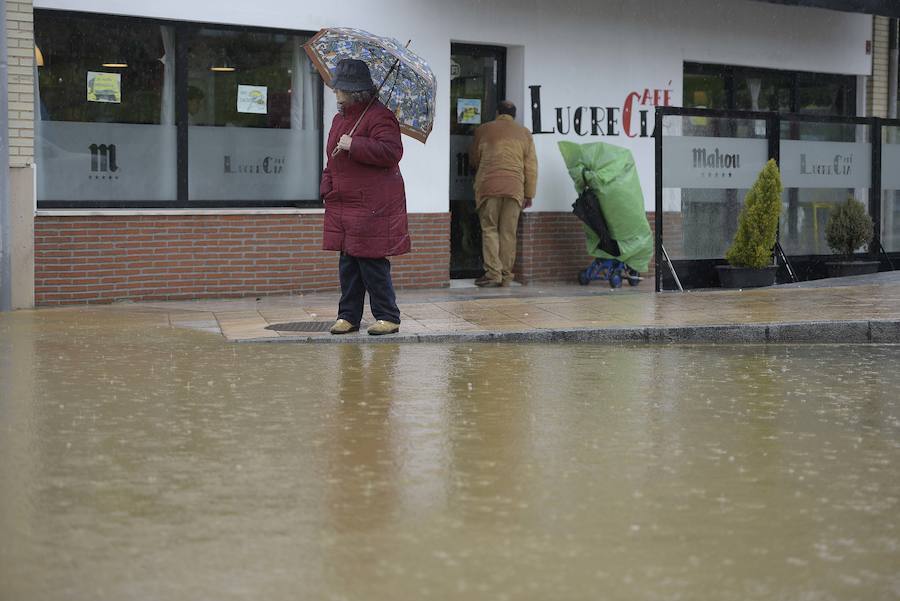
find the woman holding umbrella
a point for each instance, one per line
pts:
(365, 201)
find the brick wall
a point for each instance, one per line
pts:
(102, 259)
(551, 246)
(673, 236)
(94, 259)
(20, 43)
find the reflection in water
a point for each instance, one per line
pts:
(142, 462)
(363, 469)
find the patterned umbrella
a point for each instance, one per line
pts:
(407, 85)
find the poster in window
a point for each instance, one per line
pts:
(468, 111)
(252, 99)
(104, 87)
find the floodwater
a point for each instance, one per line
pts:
(142, 462)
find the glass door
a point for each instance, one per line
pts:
(477, 84)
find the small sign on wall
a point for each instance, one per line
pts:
(468, 111)
(252, 99)
(104, 87)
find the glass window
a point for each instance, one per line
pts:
(822, 165)
(890, 196)
(255, 117)
(105, 110)
(704, 90)
(749, 89)
(709, 216)
(108, 113)
(762, 91)
(711, 196)
(819, 94)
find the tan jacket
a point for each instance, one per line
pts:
(503, 154)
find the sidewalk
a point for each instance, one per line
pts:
(861, 309)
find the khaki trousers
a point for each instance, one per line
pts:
(499, 220)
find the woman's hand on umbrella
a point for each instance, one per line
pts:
(344, 143)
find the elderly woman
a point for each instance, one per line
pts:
(365, 201)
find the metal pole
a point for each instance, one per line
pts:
(892, 69)
(658, 206)
(671, 268)
(875, 199)
(5, 263)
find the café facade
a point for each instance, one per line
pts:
(178, 146)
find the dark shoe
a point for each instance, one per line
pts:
(342, 326)
(484, 282)
(381, 327)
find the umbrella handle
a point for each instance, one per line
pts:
(336, 150)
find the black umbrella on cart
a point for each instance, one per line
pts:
(587, 208)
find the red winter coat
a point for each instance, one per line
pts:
(365, 201)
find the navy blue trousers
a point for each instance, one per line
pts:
(359, 276)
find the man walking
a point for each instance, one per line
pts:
(505, 181)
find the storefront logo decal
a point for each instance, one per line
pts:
(715, 163)
(609, 121)
(267, 166)
(103, 160)
(842, 165)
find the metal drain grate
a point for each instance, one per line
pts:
(301, 326)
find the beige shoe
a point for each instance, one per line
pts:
(384, 327)
(342, 326)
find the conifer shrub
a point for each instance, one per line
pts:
(848, 227)
(758, 222)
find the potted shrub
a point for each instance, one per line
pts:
(750, 256)
(849, 227)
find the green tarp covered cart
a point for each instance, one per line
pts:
(610, 173)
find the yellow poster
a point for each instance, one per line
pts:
(104, 87)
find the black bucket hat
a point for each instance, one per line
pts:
(352, 75)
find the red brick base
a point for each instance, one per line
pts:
(102, 259)
(551, 246)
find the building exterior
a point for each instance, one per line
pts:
(141, 167)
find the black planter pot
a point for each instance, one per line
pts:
(746, 277)
(840, 269)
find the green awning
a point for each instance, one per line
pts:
(888, 8)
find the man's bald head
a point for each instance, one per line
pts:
(506, 108)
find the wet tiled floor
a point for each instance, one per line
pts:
(538, 307)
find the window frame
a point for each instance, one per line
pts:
(183, 33)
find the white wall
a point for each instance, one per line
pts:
(582, 53)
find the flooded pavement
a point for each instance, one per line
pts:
(139, 461)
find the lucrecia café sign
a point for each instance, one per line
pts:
(630, 118)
